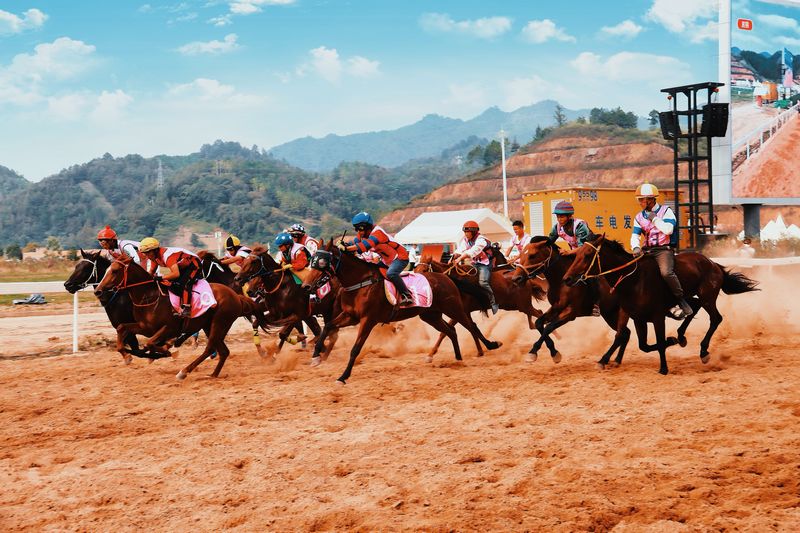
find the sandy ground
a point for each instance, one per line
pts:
(772, 171)
(491, 444)
(747, 117)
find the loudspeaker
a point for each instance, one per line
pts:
(669, 125)
(715, 120)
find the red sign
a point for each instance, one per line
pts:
(744, 24)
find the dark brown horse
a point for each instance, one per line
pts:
(542, 257)
(508, 295)
(644, 295)
(152, 310)
(287, 303)
(362, 301)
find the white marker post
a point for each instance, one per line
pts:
(218, 236)
(75, 322)
(503, 156)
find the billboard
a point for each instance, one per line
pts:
(760, 64)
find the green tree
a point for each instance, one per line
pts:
(474, 154)
(195, 240)
(492, 154)
(13, 251)
(613, 117)
(653, 119)
(559, 116)
(72, 254)
(31, 247)
(53, 244)
(581, 120)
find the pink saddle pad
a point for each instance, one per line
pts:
(323, 291)
(421, 292)
(202, 299)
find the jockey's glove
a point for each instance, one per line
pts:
(637, 252)
(158, 278)
(342, 246)
(287, 266)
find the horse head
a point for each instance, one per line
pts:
(425, 264)
(323, 266)
(535, 257)
(258, 267)
(586, 258)
(89, 270)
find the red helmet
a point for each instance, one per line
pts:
(470, 225)
(106, 233)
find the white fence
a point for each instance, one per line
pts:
(772, 127)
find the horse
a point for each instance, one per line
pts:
(644, 295)
(89, 270)
(287, 303)
(362, 301)
(152, 310)
(542, 255)
(506, 293)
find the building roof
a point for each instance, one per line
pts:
(445, 226)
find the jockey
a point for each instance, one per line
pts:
(113, 248)
(474, 246)
(292, 255)
(656, 223)
(184, 270)
(374, 238)
(573, 231)
(518, 242)
(298, 233)
(235, 252)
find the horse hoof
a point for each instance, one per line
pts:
(704, 358)
(340, 382)
(601, 366)
(531, 358)
(557, 357)
(316, 361)
(181, 375)
(613, 364)
(682, 342)
(429, 359)
(497, 344)
(127, 358)
(663, 371)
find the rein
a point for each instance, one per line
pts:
(92, 274)
(464, 272)
(533, 270)
(264, 273)
(124, 285)
(585, 276)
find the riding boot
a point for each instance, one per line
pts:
(405, 300)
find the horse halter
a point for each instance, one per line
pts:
(264, 273)
(92, 274)
(600, 272)
(533, 271)
(321, 261)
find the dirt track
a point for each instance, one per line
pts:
(493, 444)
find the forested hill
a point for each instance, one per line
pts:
(425, 138)
(224, 185)
(10, 183)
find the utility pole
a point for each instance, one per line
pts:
(503, 157)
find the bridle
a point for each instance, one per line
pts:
(327, 271)
(212, 265)
(265, 273)
(533, 270)
(92, 274)
(596, 259)
(123, 285)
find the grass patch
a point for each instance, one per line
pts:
(44, 270)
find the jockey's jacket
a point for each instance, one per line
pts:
(168, 257)
(298, 256)
(657, 227)
(580, 230)
(311, 244)
(370, 257)
(381, 242)
(519, 243)
(243, 252)
(129, 248)
(475, 248)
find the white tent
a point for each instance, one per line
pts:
(444, 227)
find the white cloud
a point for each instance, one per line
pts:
(326, 62)
(709, 32)
(632, 67)
(470, 96)
(362, 67)
(248, 7)
(69, 106)
(678, 16)
(788, 41)
(222, 20)
(626, 28)
(210, 91)
(776, 21)
(111, 106)
(483, 28)
(788, 3)
(525, 91)
(211, 47)
(540, 31)
(11, 23)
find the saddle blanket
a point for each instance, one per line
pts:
(421, 293)
(202, 299)
(323, 291)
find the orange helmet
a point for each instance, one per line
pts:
(470, 225)
(646, 190)
(106, 233)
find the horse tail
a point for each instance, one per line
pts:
(537, 291)
(737, 283)
(473, 290)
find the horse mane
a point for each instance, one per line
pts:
(203, 254)
(540, 238)
(260, 250)
(615, 245)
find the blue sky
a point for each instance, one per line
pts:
(78, 79)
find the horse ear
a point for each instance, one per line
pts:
(83, 254)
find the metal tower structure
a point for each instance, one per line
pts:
(697, 201)
(160, 177)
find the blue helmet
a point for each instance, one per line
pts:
(363, 218)
(283, 238)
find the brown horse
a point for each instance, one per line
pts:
(542, 255)
(362, 301)
(507, 294)
(287, 303)
(152, 311)
(645, 296)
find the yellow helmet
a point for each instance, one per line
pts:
(646, 190)
(148, 244)
(232, 241)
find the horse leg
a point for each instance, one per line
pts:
(364, 329)
(623, 334)
(540, 327)
(442, 335)
(342, 319)
(659, 327)
(696, 305)
(434, 318)
(333, 337)
(207, 351)
(715, 320)
(220, 331)
(122, 333)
